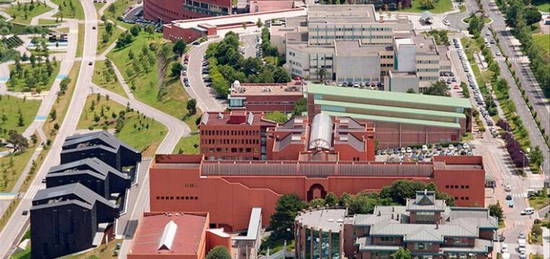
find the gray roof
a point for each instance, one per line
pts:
(475, 216)
(424, 232)
(425, 201)
(253, 225)
(481, 246)
(86, 195)
(324, 219)
(61, 203)
(104, 136)
(363, 243)
(100, 168)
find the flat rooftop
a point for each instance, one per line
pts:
(354, 48)
(268, 89)
(326, 220)
(356, 13)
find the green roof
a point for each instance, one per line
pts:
(374, 107)
(388, 96)
(395, 120)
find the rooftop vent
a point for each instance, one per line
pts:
(168, 235)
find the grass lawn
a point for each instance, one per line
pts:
(441, 6)
(99, 79)
(485, 20)
(542, 41)
(11, 167)
(80, 46)
(147, 83)
(188, 145)
(98, 5)
(9, 113)
(19, 84)
(62, 103)
(23, 254)
(539, 202)
(118, 8)
(69, 9)
(543, 5)
(101, 46)
(138, 131)
(47, 22)
(19, 14)
(103, 251)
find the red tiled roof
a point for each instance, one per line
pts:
(187, 238)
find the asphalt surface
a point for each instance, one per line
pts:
(205, 96)
(523, 71)
(17, 223)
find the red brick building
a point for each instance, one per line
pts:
(234, 135)
(268, 97)
(228, 190)
(241, 135)
(170, 10)
(176, 234)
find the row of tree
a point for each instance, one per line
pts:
(227, 65)
(524, 19)
(33, 77)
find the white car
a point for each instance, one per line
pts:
(451, 147)
(409, 150)
(504, 248)
(508, 188)
(527, 211)
(424, 148)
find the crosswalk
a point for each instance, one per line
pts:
(519, 195)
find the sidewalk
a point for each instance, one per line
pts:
(546, 242)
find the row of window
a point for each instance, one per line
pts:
(189, 185)
(350, 29)
(230, 132)
(272, 103)
(457, 186)
(427, 61)
(177, 198)
(464, 198)
(232, 150)
(352, 37)
(231, 141)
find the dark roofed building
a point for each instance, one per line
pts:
(101, 145)
(91, 172)
(65, 220)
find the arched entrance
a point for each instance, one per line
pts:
(316, 191)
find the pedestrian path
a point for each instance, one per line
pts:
(519, 195)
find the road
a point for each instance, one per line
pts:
(205, 96)
(17, 223)
(523, 72)
(522, 110)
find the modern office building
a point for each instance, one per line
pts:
(427, 227)
(186, 183)
(176, 235)
(400, 119)
(101, 145)
(267, 97)
(67, 219)
(166, 11)
(384, 4)
(322, 139)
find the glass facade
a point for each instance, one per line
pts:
(320, 244)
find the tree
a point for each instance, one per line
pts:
(427, 4)
(176, 69)
(281, 75)
(218, 252)
(495, 210)
(191, 106)
(282, 221)
(300, 106)
(402, 253)
(259, 23)
(536, 156)
(179, 47)
(19, 142)
(134, 30)
(532, 15)
(410, 91)
(331, 199)
(437, 88)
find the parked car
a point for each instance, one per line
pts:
(504, 247)
(527, 211)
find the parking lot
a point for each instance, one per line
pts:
(423, 153)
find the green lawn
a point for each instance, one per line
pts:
(23, 13)
(9, 113)
(539, 202)
(146, 83)
(543, 5)
(98, 5)
(441, 6)
(22, 254)
(102, 45)
(118, 8)
(80, 46)
(70, 9)
(542, 41)
(11, 167)
(188, 145)
(104, 251)
(62, 103)
(136, 130)
(19, 83)
(47, 22)
(101, 75)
